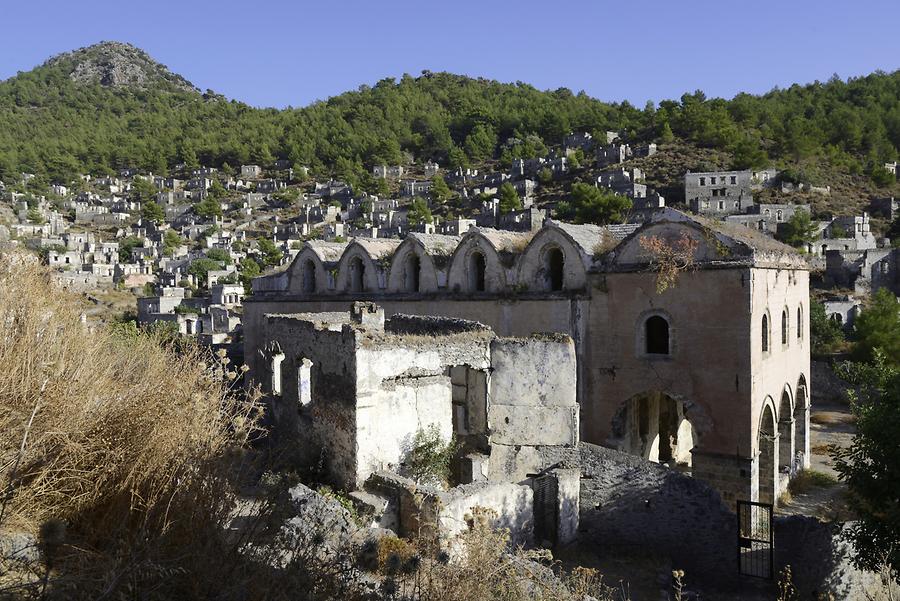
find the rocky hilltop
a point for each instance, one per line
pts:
(118, 65)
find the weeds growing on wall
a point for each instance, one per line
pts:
(668, 258)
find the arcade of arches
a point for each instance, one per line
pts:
(653, 425)
(782, 443)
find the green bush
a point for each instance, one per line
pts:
(429, 458)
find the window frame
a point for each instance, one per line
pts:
(641, 338)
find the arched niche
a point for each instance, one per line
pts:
(357, 273)
(463, 273)
(552, 262)
(412, 269)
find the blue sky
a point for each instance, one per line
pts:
(279, 53)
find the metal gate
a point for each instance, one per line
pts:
(756, 549)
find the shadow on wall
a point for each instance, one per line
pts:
(632, 506)
(635, 507)
(820, 560)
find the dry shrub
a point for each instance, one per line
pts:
(668, 258)
(115, 437)
(822, 449)
(486, 568)
(392, 550)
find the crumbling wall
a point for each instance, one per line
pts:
(392, 405)
(404, 385)
(322, 430)
(511, 507)
(429, 512)
(532, 402)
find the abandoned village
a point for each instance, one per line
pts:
(643, 388)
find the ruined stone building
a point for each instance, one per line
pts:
(767, 217)
(721, 193)
(350, 391)
(863, 271)
(691, 336)
(360, 387)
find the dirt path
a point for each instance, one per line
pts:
(831, 425)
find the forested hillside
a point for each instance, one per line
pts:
(57, 124)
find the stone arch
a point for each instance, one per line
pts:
(400, 277)
(357, 272)
(659, 427)
(463, 273)
(536, 264)
(786, 431)
(307, 273)
(767, 453)
(801, 424)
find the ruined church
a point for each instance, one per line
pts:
(682, 340)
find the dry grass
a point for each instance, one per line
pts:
(808, 479)
(486, 569)
(98, 409)
(110, 441)
(831, 418)
(822, 449)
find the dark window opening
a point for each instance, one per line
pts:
(477, 269)
(555, 268)
(309, 276)
(657, 336)
(357, 275)
(413, 271)
(784, 327)
(799, 323)
(765, 333)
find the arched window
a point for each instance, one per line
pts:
(412, 273)
(656, 335)
(800, 323)
(784, 327)
(765, 333)
(275, 372)
(357, 275)
(477, 268)
(309, 276)
(304, 381)
(555, 265)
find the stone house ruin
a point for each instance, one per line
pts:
(360, 386)
(351, 390)
(709, 374)
(720, 193)
(863, 271)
